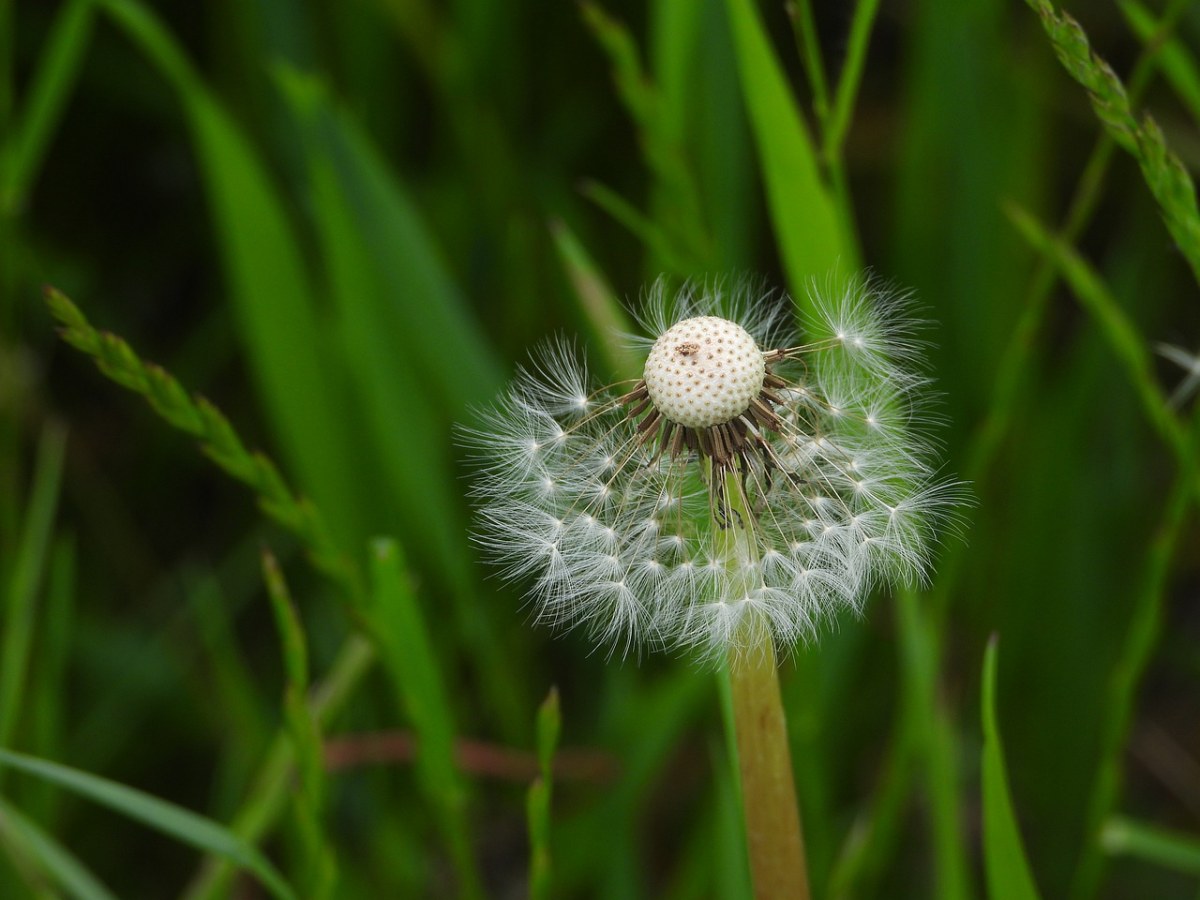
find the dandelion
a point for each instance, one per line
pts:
(745, 483)
(742, 492)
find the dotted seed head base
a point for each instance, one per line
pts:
(704, 371)
(707, 388)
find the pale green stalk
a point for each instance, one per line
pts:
(772, 816)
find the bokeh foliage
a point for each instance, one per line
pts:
(344, 223)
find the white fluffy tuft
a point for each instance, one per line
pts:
(622, 542)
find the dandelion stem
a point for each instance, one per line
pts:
(773, 833)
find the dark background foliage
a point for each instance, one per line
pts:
(455, 182)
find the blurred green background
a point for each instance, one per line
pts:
(345, 223)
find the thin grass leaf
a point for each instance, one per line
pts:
(268, 797)
(679, 212)
(1170, 849)
(1126, 342)
(729, 863)
(649, 720)
(859, 39)
(401, 406)
(408, 655)
(807, 228)
(48, 683)
(1176, 63)
(52, 858)
(28, 573)
(167, 818)
(808, 45)
(318, 868)
(641, 226)
(596, 300)
(218, 439)
(700, 112)
(1141, 638)
(1008, 875)
(50, 88)
(415, 292)
(399, 318)
(538, 798)
(269, 282)
(933, 737)
(675, 27)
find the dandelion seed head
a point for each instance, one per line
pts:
(704, 371)
(753, 480)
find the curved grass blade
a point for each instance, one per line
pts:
(267, 798)
(407, 651)
(807, 228)
(1170, 849)
(1007, 869)
(596, 299)
(1176, 63)
(167, 818)
(271, 287)
(319, 866)
(537, 799)
(20, 607)
(382, 300)
(401, 320)
(49, 90)
(51, 857)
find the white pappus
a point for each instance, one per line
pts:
(745, 481)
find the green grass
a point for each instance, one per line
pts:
(339, 226)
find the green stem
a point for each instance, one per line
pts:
(772, 815)
(773, 834)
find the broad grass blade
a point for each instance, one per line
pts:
(174, 821)
(1007, 869)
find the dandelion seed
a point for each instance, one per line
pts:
(1190, 363)
(746, 481)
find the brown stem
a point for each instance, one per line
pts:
(773, 833)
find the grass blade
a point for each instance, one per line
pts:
(678, 210)
(537, 800)
(408, 654)
(174, 821)
(51, 857)
(1170, 849)
(1007, 869)
(319, 867)
(269, 282)
(20, 608)
(933, 738)
(268, 797)
(603, 312)
(851, 76)
(382, 336)
(401, 318)
(48, 93)
(1127, 343)
(415, 295)
(1173, 58)
(807, 229)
